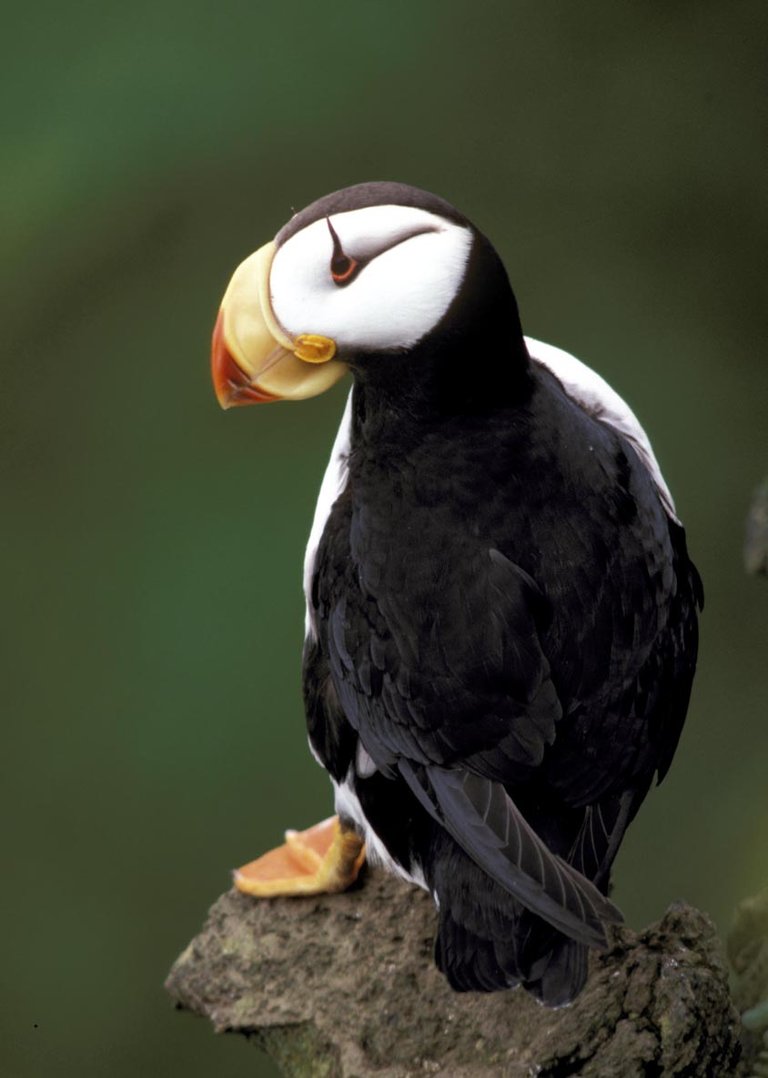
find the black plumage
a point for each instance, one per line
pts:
(505, 621)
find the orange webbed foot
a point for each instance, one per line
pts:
(323, 859)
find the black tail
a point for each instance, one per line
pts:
(492, 943)
(487, 940)
(560, 974)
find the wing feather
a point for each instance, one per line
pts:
(484, 820)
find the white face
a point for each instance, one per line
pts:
(412, 264)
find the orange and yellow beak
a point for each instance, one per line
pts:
(253, 360)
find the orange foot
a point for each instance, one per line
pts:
(323, 859)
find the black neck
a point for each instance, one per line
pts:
(473, 361)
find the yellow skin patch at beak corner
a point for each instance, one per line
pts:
(313, 348)
(284, 368)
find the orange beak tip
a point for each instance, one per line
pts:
(221, 360)
(231, 383)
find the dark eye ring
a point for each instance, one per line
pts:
(343, 268)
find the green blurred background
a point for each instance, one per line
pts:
(152, 545)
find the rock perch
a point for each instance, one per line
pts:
(344, 985)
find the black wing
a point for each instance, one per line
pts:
(441, 681)
(481, 816)
(457, 707)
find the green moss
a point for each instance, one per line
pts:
(300, 1052)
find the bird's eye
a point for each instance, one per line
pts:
(343, 268)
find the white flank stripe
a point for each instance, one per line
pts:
(595, 396)
(334, 481)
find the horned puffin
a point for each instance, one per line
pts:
(501, 626)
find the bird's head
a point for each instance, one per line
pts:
(369, 273)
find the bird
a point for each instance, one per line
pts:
(501, 612)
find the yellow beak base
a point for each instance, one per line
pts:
(252, 358)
